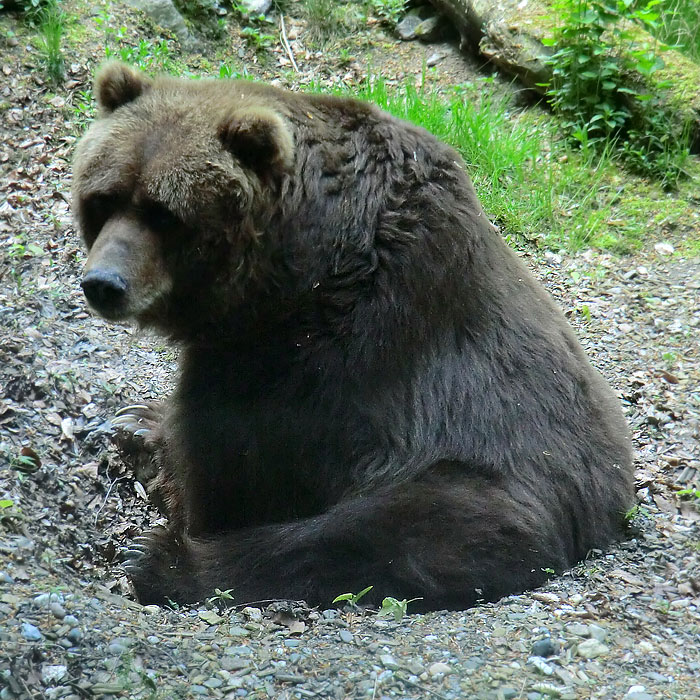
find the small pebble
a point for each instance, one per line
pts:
(71, 620)
(291, 642)
(44, 599)
(591, 649)
(75, 635)
(152, 639)
(52, 674)
(439, 668)
(57, 610)
(597, 632)
(213, 683)
(346, 636)
(30, 632)
(544, 648)
(254, 614)
(541, 665)
(235, 663)
(151, 609)
(5, 577)
(388, 661)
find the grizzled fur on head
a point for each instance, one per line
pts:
(373, 389)
(184, 179)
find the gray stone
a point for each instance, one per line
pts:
(591, 649)
(52, 674)
(71, 620)
(639, 695)
(439, 668)
(541, 665)
(255, 7)
(430, 29)
(30, 632)
(434, 59)
(346, 636)
(544, 648)
(165, 14)
(388, 661)
(75, 635)
(597, 632)
(57, 610)
(45, 599)
(233, 663)
(406, 28)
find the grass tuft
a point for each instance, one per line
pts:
(52, 27)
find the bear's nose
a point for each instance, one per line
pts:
(104, 289)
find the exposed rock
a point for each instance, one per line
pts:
(255, 7)
(165, 14)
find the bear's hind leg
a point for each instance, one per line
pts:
(449, 543)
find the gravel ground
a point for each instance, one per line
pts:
(623, 624)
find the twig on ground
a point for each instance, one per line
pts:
(285, 43)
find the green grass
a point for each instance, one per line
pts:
(679, 25)
(52, 27)
(530, 182)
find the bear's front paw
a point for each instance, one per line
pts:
(138, 437)
(161, 568)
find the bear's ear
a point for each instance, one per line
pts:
(117, 84)
(260, 139)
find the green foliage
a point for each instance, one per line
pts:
(597, 49)
(388, 11)
(83, 109)
(678, 26)
(256, 39)
(146, 55)
(691, 494)
(219, 601)
(397, 608)
(352, 598)
(52, 26)
(226, 70)
(635, 511)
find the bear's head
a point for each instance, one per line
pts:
(171, 187)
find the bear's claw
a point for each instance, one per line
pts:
(137, 407)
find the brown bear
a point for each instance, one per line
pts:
(373, 389)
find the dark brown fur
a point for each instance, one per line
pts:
(373, 390)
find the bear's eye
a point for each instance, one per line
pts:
(96, 210)
(160, 219)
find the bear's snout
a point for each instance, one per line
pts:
(105, 290)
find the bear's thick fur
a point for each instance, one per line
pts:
(373, 389)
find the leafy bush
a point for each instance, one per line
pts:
(389, 11)
(597, 50)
